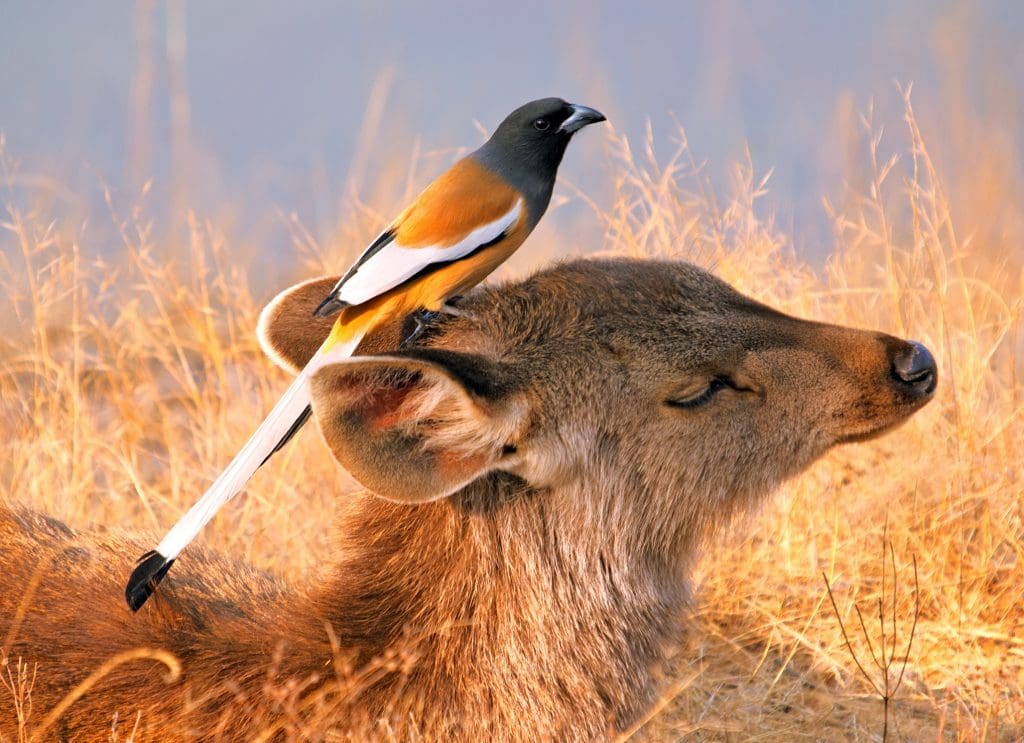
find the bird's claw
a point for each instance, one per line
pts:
(422, 321)
(451, 307)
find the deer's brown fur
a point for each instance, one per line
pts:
(545, 484)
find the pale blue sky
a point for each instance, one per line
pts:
(278, 90)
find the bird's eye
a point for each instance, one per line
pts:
(701, 396)
(541, 125)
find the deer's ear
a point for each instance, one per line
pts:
(287, 330)
(418, 425)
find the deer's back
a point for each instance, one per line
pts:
(63, 617)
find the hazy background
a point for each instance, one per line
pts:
(254, 109)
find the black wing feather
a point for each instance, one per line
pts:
(331, 303)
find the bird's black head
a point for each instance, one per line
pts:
(530, 142)
(546, 121)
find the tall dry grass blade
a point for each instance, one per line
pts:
(161, 656)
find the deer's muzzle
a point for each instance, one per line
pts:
(914, 371)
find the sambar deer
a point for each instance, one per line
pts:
(542, 469)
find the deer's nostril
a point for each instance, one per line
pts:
(914, 368)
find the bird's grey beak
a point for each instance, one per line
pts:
(580, 117)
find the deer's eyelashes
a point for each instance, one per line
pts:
(700, 394)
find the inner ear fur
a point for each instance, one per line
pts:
(287, 330)
(417, 425)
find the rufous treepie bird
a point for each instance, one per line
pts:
(450, 238)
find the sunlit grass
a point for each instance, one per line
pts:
(128, 380)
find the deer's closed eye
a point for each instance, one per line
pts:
(702, 394)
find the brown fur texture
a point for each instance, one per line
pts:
(547, 481)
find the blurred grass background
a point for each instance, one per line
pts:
(167, 167)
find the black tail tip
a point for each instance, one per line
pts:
(148, 573)
(329, 306)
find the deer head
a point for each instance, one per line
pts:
(638, 386)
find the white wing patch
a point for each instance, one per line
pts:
(395, 263)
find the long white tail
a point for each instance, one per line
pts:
(281, 423)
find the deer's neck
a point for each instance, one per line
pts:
(505, 601)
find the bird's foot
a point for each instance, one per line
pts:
(451, 307)
(422, 322)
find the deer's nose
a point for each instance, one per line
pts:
(913, 368)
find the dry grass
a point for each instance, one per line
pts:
(128, 380)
